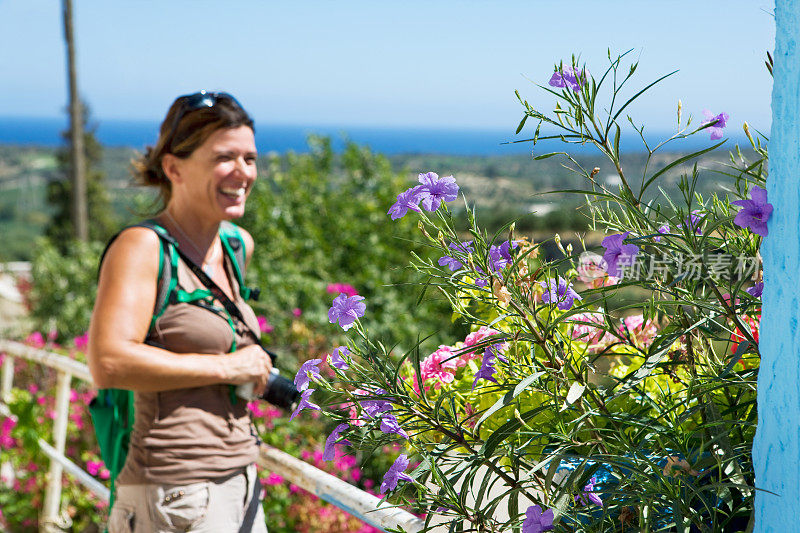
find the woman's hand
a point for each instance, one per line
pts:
(249, 365)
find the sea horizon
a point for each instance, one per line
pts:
(389, 140)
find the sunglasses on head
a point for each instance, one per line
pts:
(199, 100)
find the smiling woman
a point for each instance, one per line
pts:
(171, 324)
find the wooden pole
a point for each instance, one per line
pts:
(776, 450)
(80, 216)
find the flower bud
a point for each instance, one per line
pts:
(421, 227)
(680, 107)
(749, 136)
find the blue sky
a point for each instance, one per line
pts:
(430, 64)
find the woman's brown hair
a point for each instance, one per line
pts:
(183, 130)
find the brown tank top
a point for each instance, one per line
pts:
(195, 434)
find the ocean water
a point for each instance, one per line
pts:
(488, 142)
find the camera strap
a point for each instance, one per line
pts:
(232, 309)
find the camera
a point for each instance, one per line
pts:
(280, 392)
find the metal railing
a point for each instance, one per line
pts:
(358, 503)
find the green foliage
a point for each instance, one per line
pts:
(64, 286)
(320, 219)
(615, 415)
(102, 222)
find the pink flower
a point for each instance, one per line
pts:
(81, 342)
(105, 474)
(33, 388)
(263, 325)
(594, 336)
(6, 440)
(273, 479)
(640, 332)
(297, 312)
(592, 271)
(35, 339)
(440, 366)
(94, 467)
(336, 288)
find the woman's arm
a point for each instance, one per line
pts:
(118, 357)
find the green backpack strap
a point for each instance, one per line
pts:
(234, 245)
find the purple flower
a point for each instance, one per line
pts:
(395, 474)
(537, 521)
(694, 222)
(307, 372)
(408, 199)
(616, 252)
(500, 256)
(373, 408)
(346, 310)
(568, 77)
(559, 292)
(389, 424)
(589, 495)
(487, 370)
(336, 360)
(330, 449)
(756, 290)
(663, 230)
(434, 190)
(721, 121)
(480, 282)
(755, 212)
(451, 262)
(304, 403)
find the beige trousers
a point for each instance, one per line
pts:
(231, 505)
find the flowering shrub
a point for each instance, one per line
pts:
(565, 409)
(23, 467)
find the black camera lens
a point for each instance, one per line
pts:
(281, 392)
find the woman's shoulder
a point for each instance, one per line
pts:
(135, 249)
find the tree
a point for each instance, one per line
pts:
(61, 229)
(79, 211)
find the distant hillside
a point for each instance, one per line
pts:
(503, 187)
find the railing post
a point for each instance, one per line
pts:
(7, 378)
(51, 518)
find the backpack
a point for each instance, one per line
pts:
(112, 409)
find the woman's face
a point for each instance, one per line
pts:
(218, 176)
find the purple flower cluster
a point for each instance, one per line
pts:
(568, 77)
(588, 495)
(756, 290)
(616, 252)
(694, 221)
(336, 360)
(451, 262)
(755, 212)
(395, 474)
(537, 521)
(346, 309)
(559, 292)
(330, 443)
(304, 403)
(490, 357)
(720, 121)
(431, 192)
(308, 371)
(663, 230)
(500, 256)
